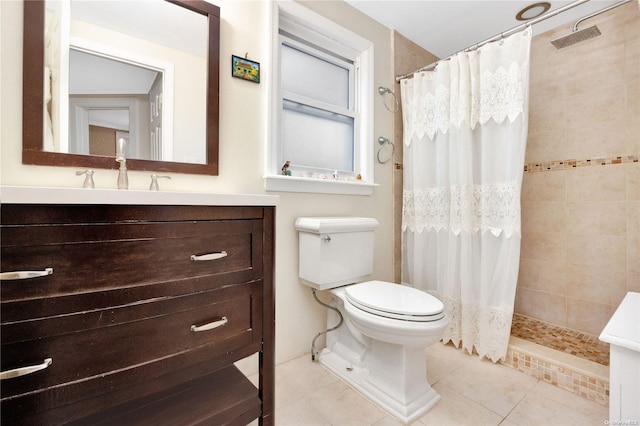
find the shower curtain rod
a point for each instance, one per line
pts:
(509, 32)
(498, 36)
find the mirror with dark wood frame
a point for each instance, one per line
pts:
(33, 99)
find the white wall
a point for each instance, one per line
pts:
(245, 28)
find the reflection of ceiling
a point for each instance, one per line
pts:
(96, 75)
(110, 118)
(446, 27)
(157, 20)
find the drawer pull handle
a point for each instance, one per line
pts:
(210, 326)
(210, 256)
(23, 275)
(17, 372)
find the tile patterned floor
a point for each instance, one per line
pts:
(474, 392)
(562, 339)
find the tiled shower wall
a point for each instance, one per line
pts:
(581, 191)
(580, 225)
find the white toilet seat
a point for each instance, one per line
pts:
(394, 301)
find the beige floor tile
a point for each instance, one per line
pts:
(309, 395)
(303, 412)
(341, 405)
(454, 410)
(474, 392)
(549, 405)
(306, 371)
(289, 390)
(389, 421)
(494, 386)
(301, 378)
(442, 360)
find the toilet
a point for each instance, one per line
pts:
(379, 346)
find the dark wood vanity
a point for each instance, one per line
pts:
(135, 314)
(131, 307)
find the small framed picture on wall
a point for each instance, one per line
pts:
(245, 69)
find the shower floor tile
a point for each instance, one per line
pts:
(559, 338)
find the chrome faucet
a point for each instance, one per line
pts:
(154, 182)
(123, 179)
(88, 180)
(121, 149)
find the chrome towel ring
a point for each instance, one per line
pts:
(385, 141)
(383, 91)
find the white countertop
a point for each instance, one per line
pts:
(623, 329)
(42, 195)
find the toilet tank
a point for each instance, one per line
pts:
(335, 251)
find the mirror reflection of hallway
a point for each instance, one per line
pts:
(109, 93)
(106, 50)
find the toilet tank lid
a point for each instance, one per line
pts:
(328, 225)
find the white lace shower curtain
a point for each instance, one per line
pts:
(465, 132)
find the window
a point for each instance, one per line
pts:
(322, 121)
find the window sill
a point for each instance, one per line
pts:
(317, 186)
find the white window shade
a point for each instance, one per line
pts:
(316, 138)
(314, 77)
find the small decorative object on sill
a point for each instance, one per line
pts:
(285, 169)
(359, 177)
(245, 69)
(335, 175)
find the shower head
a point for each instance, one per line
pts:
(576, 37)
(582, 35)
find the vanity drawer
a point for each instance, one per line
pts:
(123, 338)
(90, 257)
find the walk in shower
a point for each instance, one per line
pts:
(580, 198)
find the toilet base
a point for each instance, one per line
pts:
(406, 396)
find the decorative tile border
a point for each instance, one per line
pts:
(562, 339)
(588, 387)
(570, 164)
